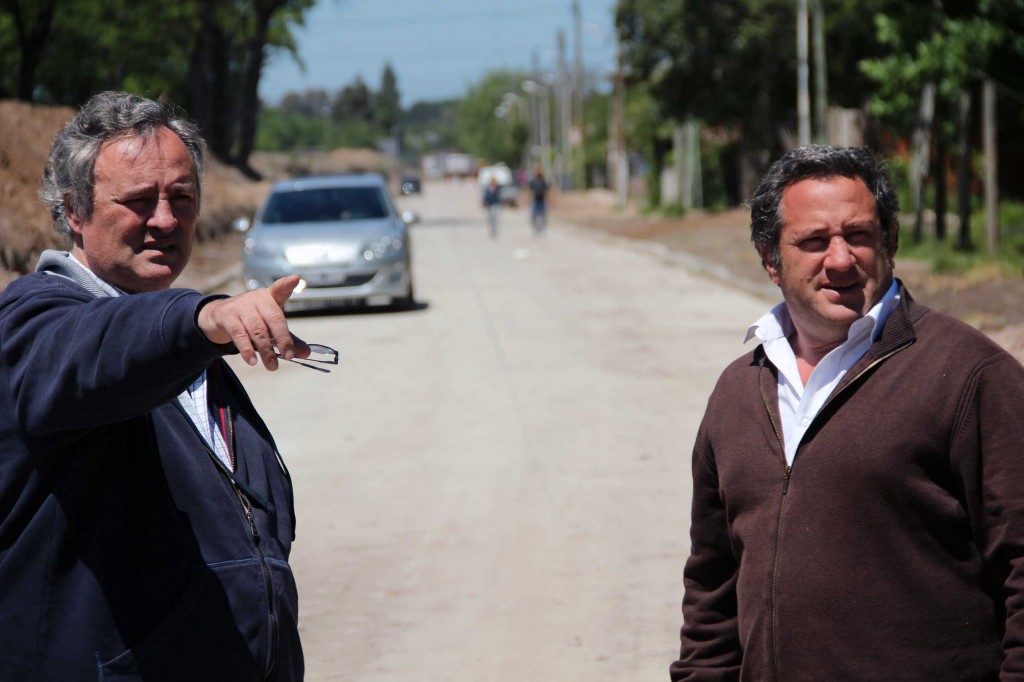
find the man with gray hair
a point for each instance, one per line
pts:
(146, 516)
(858, 478)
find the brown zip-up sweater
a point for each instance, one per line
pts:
(893, 548)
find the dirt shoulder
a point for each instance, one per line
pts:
(985, 299)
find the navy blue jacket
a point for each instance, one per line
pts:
(126, 551)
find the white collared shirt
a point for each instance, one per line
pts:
(193, 399)
(799, 404)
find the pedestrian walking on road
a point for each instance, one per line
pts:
(492, 202)
(858, 478)
(539, 209)
(146, 516)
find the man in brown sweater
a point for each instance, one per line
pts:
(858, 503)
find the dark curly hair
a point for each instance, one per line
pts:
(818, 162)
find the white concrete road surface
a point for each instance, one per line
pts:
(495, 487)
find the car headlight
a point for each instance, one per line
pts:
(259, 249)
(385, 247)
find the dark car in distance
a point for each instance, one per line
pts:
(411, 184)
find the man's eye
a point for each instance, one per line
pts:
(814, 244)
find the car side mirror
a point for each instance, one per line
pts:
(241, 224)
(410, 217)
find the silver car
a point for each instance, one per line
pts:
(341, 234)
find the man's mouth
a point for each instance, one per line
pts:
(162, 248)
(843, 288)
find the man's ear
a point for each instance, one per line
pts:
(74, 220)
(773, 272)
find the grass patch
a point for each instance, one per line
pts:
(944, 257)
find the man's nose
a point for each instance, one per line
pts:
(838, 256)
(163, 217)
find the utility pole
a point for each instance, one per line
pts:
(578, 133)
(535, 124)
(820, 74)
(803, 98)
(565, 166)
(620, 162)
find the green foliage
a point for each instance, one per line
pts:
(353, 102)
(595, 139)
(279, 131)
(387, 107)
(353, 116)
(925, 46)
(481, 131)
(718, 166)
(943, 256)
(8, 57)
(649, 132)
(429, 126)
(899, 174)
(96, 46)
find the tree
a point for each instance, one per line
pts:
(353, 102)
(935, 48)
(387, 108)
(732, 63)
(208, 56)
(234, 39)
(99, 46)
(483, 133)
(313, 102)
(429, 126)
(32, 20)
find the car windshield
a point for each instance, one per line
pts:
(325, 204)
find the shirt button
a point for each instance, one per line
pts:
(805, 421)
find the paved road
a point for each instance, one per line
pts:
(495, 487)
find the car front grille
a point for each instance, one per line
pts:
(348, 281)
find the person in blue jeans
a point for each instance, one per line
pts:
(539, 210)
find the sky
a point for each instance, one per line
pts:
(437, 48)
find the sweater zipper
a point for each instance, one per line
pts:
(775, 578)
(777, 557)
(874, 363)
(776, 649)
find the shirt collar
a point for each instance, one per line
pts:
(777, 323)
(106, 286)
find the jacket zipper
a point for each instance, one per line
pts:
(776, 649)
(254, 535)
(267, 580)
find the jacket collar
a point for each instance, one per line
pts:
(897, 333)
(57, 263)
(899, 328)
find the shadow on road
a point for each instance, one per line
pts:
(360, 309)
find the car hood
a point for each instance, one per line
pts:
(319, 242)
